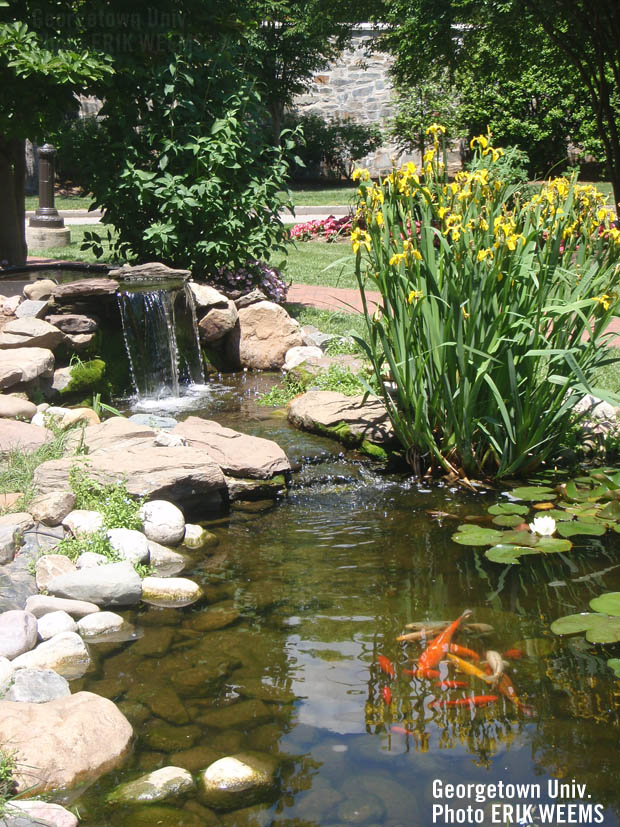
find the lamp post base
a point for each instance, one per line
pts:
(43, 238)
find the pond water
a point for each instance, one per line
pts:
(282, 655)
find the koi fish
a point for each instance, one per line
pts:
(421, 633)
(422, 673)
(463, 651)
(401, 730)
(506, 687)
(385, 664)
(435, 625)
(495, 667)
(481, 628)
(449, 684)
(387, 695)
(436, 649)
(514, 654)
(468, 668)
(473, 700)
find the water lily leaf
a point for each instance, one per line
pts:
(581, 527)
(475, 535)
(507, 554)
(519, 538)
(508, 508)
(611, 511)
(608, 603)
(508, 520)
(559, 515)
(571, 493)
(549, 545)
(606, 631)
(584, 510)
(534, 493)
(614, 665)
(570, 624)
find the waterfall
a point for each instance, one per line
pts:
(160, 332)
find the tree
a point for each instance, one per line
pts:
(544, 59)
(37, 86)
(292, 39)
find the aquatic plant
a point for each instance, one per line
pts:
(495, 307)
(600, 626)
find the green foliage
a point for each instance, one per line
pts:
(420, 101)
(330, 148)
(486, 302)
(282, 393)
(196, 186)
(601, 626)
(85, 375)
(96, 542)
(112, 500)
(8, 765)
(74, 139)
(18, 467)
(335, 378)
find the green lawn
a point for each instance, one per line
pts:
(317, 196)
(308, 261)
(61, 202)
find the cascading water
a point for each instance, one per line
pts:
(160, 332)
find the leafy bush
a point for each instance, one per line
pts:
(494, 309)
(183, 170)
(18, 467)
(331, 148)
(118, 508)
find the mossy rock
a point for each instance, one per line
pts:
(239, 780)
(86, 376)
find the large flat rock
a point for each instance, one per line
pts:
(65, 742)
(84, 288)
(115, 434)
(30, 332)
(348, 418)
(182, 474)
(239, 455)
(24, 364)
(15, 434)
(262, 336)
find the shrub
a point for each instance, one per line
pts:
(494, 309)
(331, 148)
(183, 170)
(254, 274)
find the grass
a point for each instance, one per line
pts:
(308, 261)
(608, 377)
(320, 196)
(62, 202)
(8, 765)
(72, 252)
(338, 324)
(18, 467)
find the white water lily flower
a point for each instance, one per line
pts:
(545, 526)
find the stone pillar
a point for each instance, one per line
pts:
(47, 228)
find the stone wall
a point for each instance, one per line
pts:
(358, 86)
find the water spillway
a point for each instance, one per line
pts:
(160, 333)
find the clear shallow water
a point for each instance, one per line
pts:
(309, 592)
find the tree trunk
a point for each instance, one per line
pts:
(276, 110)
(13, 249)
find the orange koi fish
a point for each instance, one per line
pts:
(422, 673)
(514, 654)
(448, 684)
(468, 668)
(506, 687)
(436, 649)
(401, 730)
(385, 664)
(463, 651)
(387, 695)
(472, 700)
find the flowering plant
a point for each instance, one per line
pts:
(494, 307)
(330, 228)
(254, 274)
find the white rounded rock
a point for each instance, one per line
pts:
(195, 536)
(296, 356)
(54, 623)
(163, 522)
(170, 591)
(81, 521)
(90, 560)
(64, 653)
(100, 623)
(130, 544)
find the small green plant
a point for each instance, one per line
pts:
(8, 765)
(343, 346)
(281, 394)
(336, 378)
(112, 500)
(17, 470)
(96, 542)
(100, 407)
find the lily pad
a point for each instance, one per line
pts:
(606, 630)
(550, 545)
(614, 665)
(608, 604)
(475, 535)
(611, 511)
(534, 493)
(519, 538)
(559, 515)
(571, 624)
(508, 520)
(581, 527)
(508, 508)
(508, 554)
